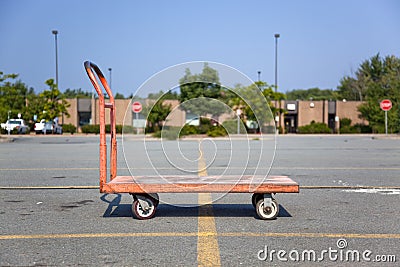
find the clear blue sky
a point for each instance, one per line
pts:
(321, 41)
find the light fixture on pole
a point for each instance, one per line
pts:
(259, 75)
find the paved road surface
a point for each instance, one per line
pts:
(45, 226)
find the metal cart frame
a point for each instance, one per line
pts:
(144, 189)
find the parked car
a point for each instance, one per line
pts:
(18, 125)
(47, 127)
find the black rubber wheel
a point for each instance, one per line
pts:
(153, 196)
(156, 199)
(141, 214)
(255, 198)
(268, 213)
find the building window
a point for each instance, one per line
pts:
(84, 118)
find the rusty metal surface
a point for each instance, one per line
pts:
(195, 184)
(90, 67)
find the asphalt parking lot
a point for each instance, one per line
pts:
(346, 213)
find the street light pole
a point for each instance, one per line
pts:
(259, 75)
(277, 35)
(55, 32)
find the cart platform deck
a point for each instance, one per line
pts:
(196, 184)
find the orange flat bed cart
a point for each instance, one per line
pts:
(144, 189)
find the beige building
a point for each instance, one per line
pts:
(85, 111)
(298, 113)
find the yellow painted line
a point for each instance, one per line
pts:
(313, 235)
(201, 234)
(202, 167)
(207, 240)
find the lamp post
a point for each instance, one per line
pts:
(259, 75)
(277, 35)
(55, 32)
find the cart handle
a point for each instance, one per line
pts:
(90, 67)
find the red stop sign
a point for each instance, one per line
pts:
(136, 107)
(386, 105)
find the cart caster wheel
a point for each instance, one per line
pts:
(153, 196)
(156, 198)
(268, 213)
(255, 198)
(142, 214)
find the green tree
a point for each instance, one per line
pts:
(255, 104)
(119, 96)
(167, 95)
(205, 84)
(312, 93)
(269, 94)
(376, 79)
(52, 102)
(35, 106)
(156, 114)
(352, 89)
(77, 93)
(13, 95)
(199, 90)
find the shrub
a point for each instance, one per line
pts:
(118, 129)
(346, 127)
(188, 130)
(69, 128)
(205, 125)
(91, 128)
(348, 130)
(157, 134)
(170, 133)
(95, 129)
(314, 128)
(362, 128)
(127, 129)
(231, 127)
(216, 131)
(345, 122)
